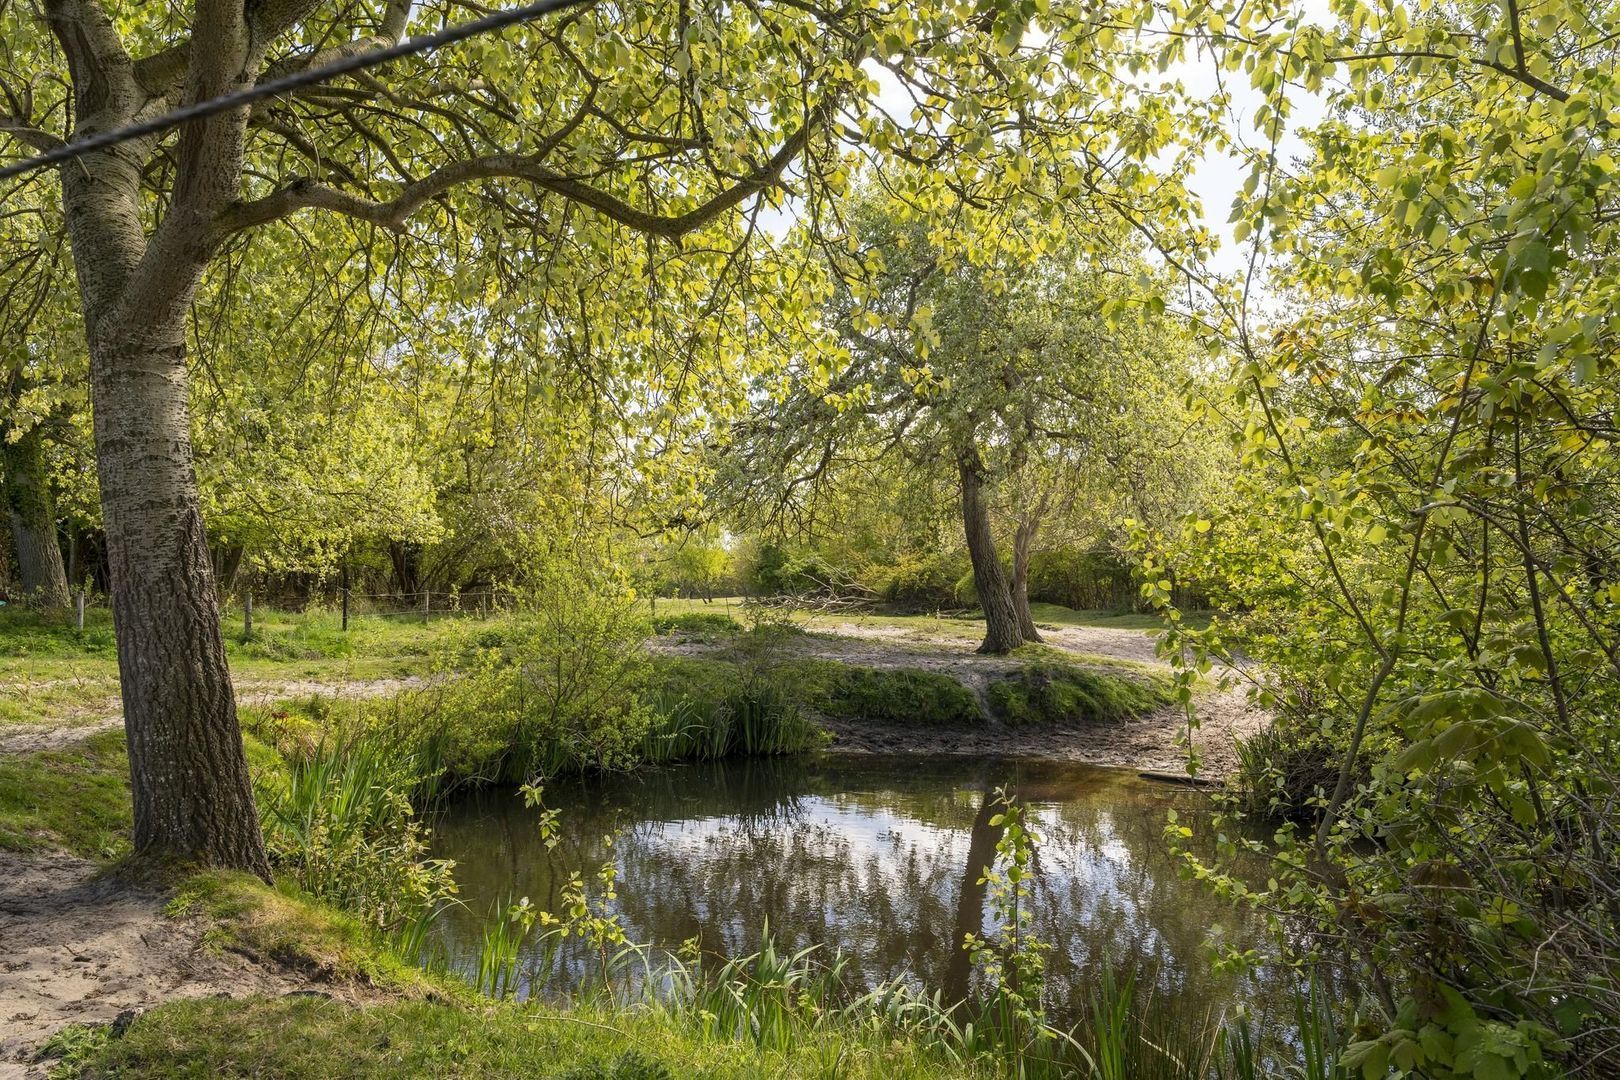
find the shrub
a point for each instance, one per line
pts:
(777, 570)
(341, 824)
(1081, 579)
(924, 582)
(564, 689)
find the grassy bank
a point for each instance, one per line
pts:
(75, 799)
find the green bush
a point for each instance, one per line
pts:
(563, 690)
(340, 822)
(923, 582)
(1051, 693)
(778, 570)
(1081, 578)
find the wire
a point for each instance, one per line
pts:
(500, 20)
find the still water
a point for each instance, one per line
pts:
(875, 857)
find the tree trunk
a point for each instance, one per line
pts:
(1001, 633)
(1023, 543)
(33, 522)
(193, 798)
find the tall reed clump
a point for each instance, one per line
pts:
(757, 720)
(339, 821)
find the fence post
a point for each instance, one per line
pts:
(247, 614)
(345, 595)
(427, 603)
(81, 610)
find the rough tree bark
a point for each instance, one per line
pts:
(1001, 632)
(33, 522)
(193, 799)
(1023, 547)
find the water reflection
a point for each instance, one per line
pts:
(878, 857)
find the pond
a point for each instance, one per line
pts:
(876, 857)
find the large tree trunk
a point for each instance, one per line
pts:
(33, 522)
(1001, 632)
(192, 793)
(193, 799)
(1023, 547)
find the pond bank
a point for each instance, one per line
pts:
(1148, 740)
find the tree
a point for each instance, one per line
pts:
(1425, 413)
(36, 398)
(992, 358)
(599, 129)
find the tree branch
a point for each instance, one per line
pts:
(34, 137)
(307, 194)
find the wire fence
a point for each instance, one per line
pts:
(423, 604)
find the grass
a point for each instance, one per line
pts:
(903, 697)
(965, 624)
(52, 672)
(302, 1037)
(701, 623)
(831, 689)
(284, 927)
(1049, 692)
(76, 798)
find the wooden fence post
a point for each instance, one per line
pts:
(81, 610)
(247, 614)
(427, 603)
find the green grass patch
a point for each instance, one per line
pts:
(305, 1037)
(829, 688)
(707, 623)
(1046, 692)
(29, 632)
(905, 697)
(29, 695)
(75, 798)
(282, 927)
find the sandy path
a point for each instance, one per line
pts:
(1156, 742)
(75, 948)
(85, 722)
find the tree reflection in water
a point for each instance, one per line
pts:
(876, 857)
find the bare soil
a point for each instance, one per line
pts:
(79, 948)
